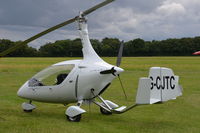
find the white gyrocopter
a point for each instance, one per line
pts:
(82, 81)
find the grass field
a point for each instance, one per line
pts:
(177, 116)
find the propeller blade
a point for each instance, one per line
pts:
(86, 12)
(110, 71)
(122, 86)
(120, 54)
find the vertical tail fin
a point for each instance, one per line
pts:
(161, 85)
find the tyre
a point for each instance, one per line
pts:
(76, 118)
(105, 112)
(28, 111)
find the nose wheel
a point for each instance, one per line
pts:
(74, 119)
(73, 113)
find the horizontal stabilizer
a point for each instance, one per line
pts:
(161, 85)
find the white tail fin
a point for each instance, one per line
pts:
(161, 85)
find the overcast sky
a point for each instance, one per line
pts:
(124, 19)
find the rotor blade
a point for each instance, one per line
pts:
(122, 86)
(86, 12)
(37, 36)
(120, 54)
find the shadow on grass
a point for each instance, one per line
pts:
(130, 122)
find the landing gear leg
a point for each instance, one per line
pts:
(105, 108)
(28, 106)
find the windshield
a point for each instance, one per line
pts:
(53, 75)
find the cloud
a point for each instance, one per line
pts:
(171, 9)
(126, 20)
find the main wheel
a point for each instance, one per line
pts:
(105, 112)
(28, 111)
(76, 118)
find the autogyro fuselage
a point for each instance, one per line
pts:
(85, 80)
(71, 81)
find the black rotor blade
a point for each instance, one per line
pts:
(122, 86)
(119, 57)
(37, 36)
(86, 12)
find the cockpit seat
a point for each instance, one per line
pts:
(60, 78)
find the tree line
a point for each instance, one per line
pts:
(107, 47)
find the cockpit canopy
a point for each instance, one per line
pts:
(53, 75)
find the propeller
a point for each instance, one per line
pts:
(122, 86)
(120, 54)
(84, 13)
(118, 64)
(110, 71)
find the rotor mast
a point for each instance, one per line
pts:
(89, 53)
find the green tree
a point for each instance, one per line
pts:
(135, 47)
(110, 46)
(24, 51)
